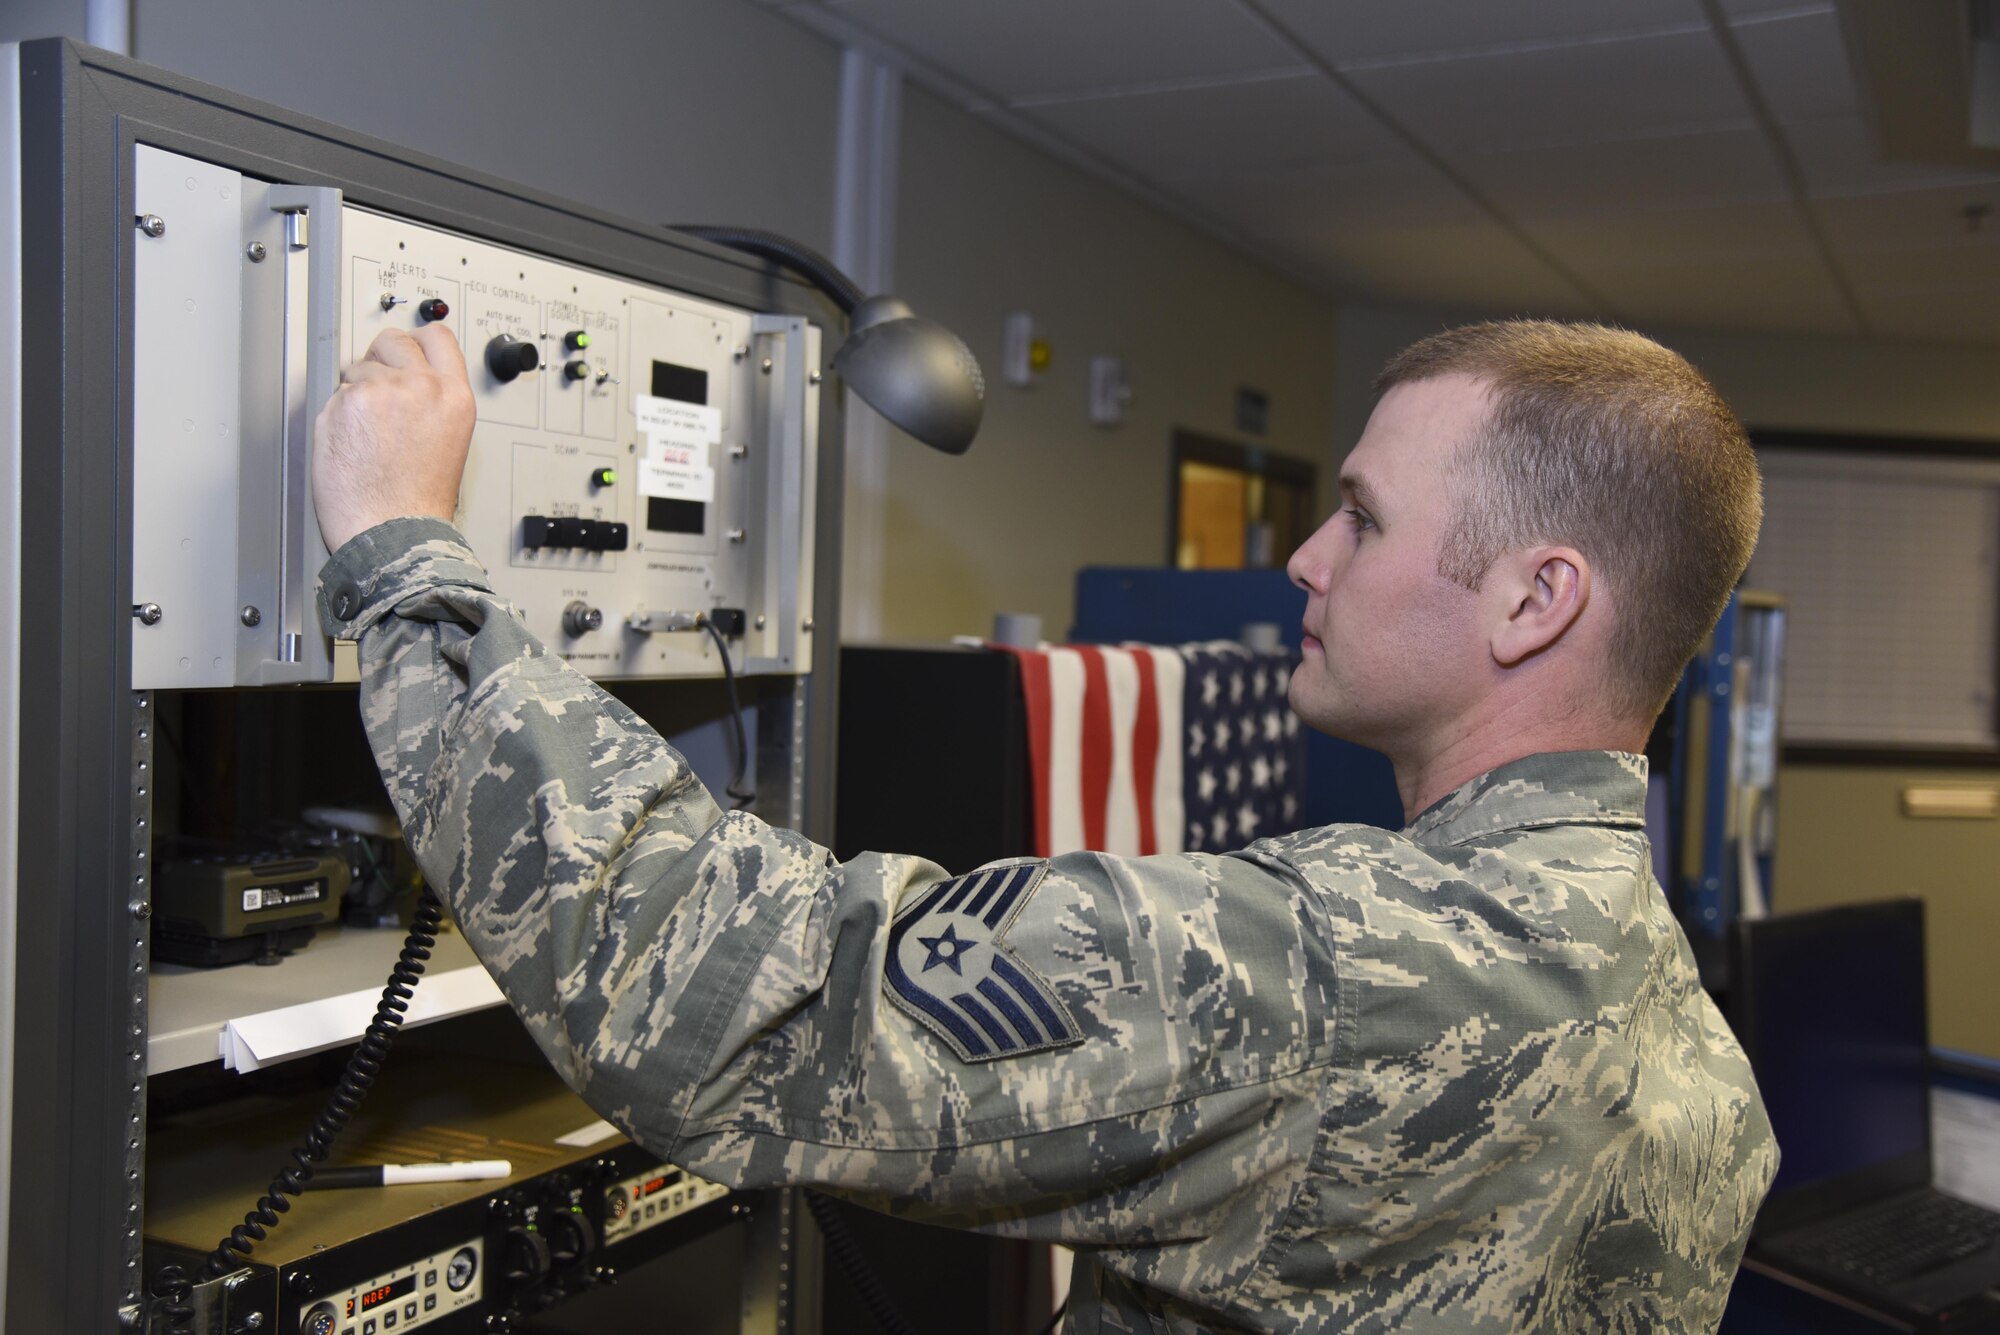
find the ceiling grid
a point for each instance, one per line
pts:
(1712, 164)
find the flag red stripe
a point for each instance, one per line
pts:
(1096, 758)
(1145, 750)
(1035, 690)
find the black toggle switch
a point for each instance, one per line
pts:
(592, 535)
(507, 357)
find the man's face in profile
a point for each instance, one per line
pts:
(1392, 648)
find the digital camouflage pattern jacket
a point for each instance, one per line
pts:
(1458, 1078)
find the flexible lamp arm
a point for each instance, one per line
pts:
(823, 272)
(915, 372)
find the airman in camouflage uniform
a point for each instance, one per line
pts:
(1458, 1078)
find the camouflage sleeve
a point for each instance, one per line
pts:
(1086, 1049)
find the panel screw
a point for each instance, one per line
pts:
(814, 377)
(760, 623)
(141, 909)
(255, 252)
(741, 352)
(148, 613)
(807, 627)
(766, 368)
(739, 451)
(254, 1321)
(251, 616)
(736, 535)
(152, 224)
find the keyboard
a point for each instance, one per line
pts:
(1900, 1240)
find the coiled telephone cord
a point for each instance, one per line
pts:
(353, 1086)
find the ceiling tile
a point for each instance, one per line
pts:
(1467, 264)
(1611, 90)
(1038, 48)
(1628, 176)
(1935, 270)
(1912, 220)
(1841, 155)
(1367, 192)
(1269, 125)
(1357, 30)
(1599, 243)
(1800, 64)
(1969, 315)
(1777, 295)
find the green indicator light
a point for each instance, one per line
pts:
(604, 477)
(578, 339)
(583, 340)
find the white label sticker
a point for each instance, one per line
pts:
(671, 422)
(679, 481)
(253, 899)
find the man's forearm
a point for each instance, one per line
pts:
(529, 797)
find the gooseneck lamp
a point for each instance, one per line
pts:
(915, 372)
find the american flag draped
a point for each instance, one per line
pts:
(1244, 754)
(1140, 749)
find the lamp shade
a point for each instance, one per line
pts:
(915, 372)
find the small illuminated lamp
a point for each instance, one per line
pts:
(915, 372)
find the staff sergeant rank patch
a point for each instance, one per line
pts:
(948, 967)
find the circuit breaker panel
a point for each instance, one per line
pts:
(643, 460)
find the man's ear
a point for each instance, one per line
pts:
(1541, 592)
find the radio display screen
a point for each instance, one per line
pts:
(388, 1292)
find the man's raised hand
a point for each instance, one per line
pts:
(392, 440)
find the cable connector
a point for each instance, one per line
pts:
(653, 623)
(729, 620)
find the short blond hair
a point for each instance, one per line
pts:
(1602, 440)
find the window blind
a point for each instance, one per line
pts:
(1891, 568)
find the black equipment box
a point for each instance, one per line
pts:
(223, 906)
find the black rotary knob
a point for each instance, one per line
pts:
(507, 357)
(525, 1256)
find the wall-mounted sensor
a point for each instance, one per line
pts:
(1110, 390)
(1022, 355)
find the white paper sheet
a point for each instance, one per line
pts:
(251, 1041)
(588, 1135)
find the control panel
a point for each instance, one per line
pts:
(644, 460)
(646, 1200)
(406, 1298)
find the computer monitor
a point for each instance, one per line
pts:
(1829, 1005)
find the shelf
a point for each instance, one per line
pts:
(250, 1015)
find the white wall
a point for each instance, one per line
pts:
(989, 225)
(689, 111)
(23, 20)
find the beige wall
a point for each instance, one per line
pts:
(1842, 837)
(1841, 834)
(987, 225)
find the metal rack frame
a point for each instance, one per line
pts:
(77, 1099)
